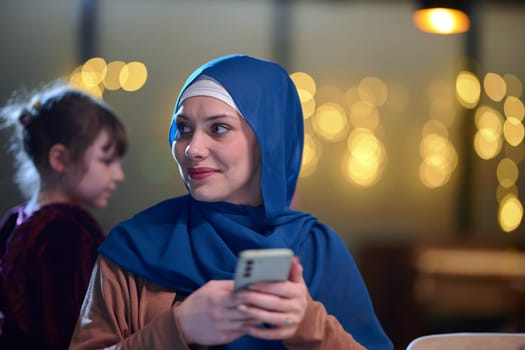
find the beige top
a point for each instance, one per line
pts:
(124, 311)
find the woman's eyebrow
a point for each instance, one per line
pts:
(220, 116)
(210, 118)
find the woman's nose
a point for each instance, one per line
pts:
(196, 147)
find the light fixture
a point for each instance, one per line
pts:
(442, 17)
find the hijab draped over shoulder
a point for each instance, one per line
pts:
(182, 243)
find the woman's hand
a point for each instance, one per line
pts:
(210, 316)
(281, 305)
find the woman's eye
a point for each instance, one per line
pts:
(219, 129)
(182, 130)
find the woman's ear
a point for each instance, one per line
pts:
(58, 157)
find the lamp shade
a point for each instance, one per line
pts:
(442, 17)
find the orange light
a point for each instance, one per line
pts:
(441, 20)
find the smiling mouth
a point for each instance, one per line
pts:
(200, 173)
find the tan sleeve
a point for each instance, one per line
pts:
(121, 311)
(321, 331)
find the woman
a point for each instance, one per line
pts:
(164, 277)
(68, 147)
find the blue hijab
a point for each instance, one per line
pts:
(182, 243)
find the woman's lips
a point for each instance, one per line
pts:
(200, 173)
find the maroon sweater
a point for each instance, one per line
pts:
(45, 264)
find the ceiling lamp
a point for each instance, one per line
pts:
(442, 17)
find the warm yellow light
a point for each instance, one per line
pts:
(502, 192)
(441, 20)
(365, 160)
(494, 86)
(364, 115)
(435, 127)
(487, 143)
(373, 90)
(307, 103)
(330, 122)
(433, 175)
(112, 78)
(513, 131)
(93, 71)
(488, 118)
(133, 76)
(311, 155)
(304, 81)
(437, 150)
(507, 172)
(468, 89)
(439, 157)
(513, 107)
(364, 173)
(510, 213)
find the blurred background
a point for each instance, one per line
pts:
(414, 140)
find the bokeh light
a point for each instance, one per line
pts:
(365, 160)
(364, 115)
(435, 127)
(112, 79)
(304, 81)
(502, 192)
(307, 103)
(350, 97)
(513, 107)
(487, 140)
(433, 175)
(507, 173)
(311, 154)
(494, 86)
(439, 157)
(329, 93)
(513, 131)
(93, 71)
(330, 122)
(487, 143)
(510, 213)
(133, 76)
(468, 89)
(373, 90)
(441, 20)
(96, 76)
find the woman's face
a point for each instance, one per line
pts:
(217, 152)
(92, 182)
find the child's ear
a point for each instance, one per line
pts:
(58, 157)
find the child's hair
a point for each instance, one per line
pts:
(56, 114)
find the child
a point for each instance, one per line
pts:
(67, 146)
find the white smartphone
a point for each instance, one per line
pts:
(262, 265)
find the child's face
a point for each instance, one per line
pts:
(217, 152)
(91, 183)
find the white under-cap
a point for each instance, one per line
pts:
(207, 86)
